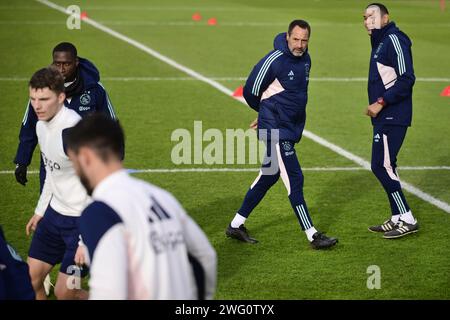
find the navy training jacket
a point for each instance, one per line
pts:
(391, 75)
(15, 281)
(93, 98)
(278, 89)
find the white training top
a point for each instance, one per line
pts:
(138, 238)
(62, 188)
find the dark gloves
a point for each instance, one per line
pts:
(21, 174)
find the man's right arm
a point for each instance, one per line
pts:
(44, 198)
(259, 79)
(103, 234)
(27, 143)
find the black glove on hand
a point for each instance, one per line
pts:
(21, 174)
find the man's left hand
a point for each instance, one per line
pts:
(373, 109)
(79, 256)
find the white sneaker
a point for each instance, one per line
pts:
(47, 284)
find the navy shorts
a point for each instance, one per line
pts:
(56, 241)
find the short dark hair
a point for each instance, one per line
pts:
(47, 78)
(299, 23)
(66, 47)
(382, 7)
(99, 133)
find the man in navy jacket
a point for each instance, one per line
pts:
(15, 282)
(277, 89)
(84, 92)
(390, 86)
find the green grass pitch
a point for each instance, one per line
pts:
(342, 203)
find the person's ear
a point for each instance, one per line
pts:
(84, 157)
(385, 19)
(77, 61)
(61, 98)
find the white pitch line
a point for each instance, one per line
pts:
(319, 169)
(313, 79)
(358, 160)
(146, 8)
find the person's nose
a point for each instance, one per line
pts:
(37, 105)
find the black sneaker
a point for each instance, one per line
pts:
(387, 226)
(321, 241)
(402, 229)
(240, 233)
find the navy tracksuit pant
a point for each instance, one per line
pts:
(283, 163)
(387, 141)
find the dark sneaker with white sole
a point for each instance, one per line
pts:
(402, 229)
(321, 241)
(240, 233)
(387, 226)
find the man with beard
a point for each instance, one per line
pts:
(84, 94)
(277, 89)
(141, 244)
(56, 237)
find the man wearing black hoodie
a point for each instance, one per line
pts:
(277, 89)
(84, 94)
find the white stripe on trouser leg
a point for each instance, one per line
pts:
(308, 224)
(256, 180)
(283, 172)
(396, 202)
(387, 160)
(300, 215)
(400, 201)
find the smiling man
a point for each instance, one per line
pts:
(84, 94)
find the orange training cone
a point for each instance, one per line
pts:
(446, 92)
(83, 15)
(212, 21)
(239, 92)
(196, 16)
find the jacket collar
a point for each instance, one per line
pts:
(378, 34)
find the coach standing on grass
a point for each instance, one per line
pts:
(391, 80)
(84, 94)
(277, 89)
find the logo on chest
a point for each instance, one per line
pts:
(291, 75)
(377, 52)
(306, 71)
(85, 98)
(52, 165)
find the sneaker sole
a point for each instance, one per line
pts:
(239, 239)
(400, 235)
(373, 231)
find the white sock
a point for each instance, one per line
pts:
(395, 218)
(309, 233)
(238, 220)
(408, 217)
